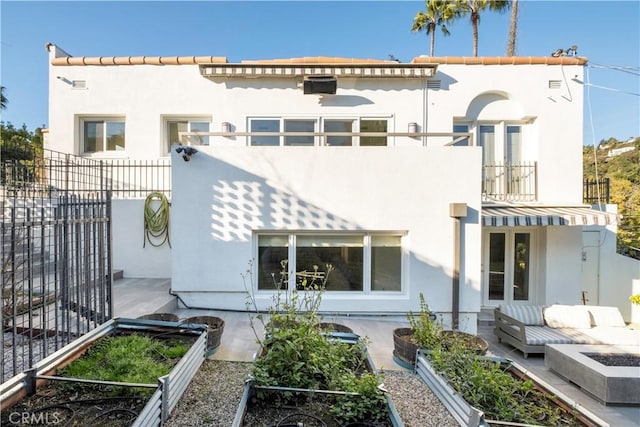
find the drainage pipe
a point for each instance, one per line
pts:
(456, 211)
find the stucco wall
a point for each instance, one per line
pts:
(130, 254)
(144, 94)
(490, 94)
(223, 195)
(563, 264)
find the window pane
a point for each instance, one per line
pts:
(272, 251)
(115, 136)
(386, 263)
(265, 126)
(521, 267)
(373, 126)
(344, 253)
(339, 126)
(299, 126)
(496, 266)
(93, 136)
(487, 141)
(461, 128)
(514, 144)
(200, 127)
(173, 128)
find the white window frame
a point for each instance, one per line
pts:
(366, 258)
(500, 132)
(178, 118)
(319, 124)
(104, 119)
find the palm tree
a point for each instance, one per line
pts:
(474, 7)
(439, 13)
(3, 99)
(513, 24)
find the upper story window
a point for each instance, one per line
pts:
(304, 125)
(174, 126)
(461, 127)
(339, 125)
(299, 126)
(501, 142)
(103, 135)
(368, 125)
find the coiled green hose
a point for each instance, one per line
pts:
(156, 221)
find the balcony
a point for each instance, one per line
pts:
(510, 182)
(596, 192)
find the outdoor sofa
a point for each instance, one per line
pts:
(530, 327)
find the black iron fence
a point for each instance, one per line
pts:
(56, 254)
(595, 192)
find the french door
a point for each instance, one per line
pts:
(508, 267)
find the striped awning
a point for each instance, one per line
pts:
(522, 216)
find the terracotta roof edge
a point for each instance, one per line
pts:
(138, 60)
(501, 60)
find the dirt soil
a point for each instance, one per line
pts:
(80, 405)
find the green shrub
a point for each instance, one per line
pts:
(486, 385)
(297, 353)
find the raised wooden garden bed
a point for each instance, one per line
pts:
(48, 392)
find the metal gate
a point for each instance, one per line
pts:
(56, 254)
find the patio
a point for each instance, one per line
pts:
(136, 297)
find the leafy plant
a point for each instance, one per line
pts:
(426, 330)
(296, 352)
(485, 384)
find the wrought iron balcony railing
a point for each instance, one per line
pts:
(595, 192)
(510, 182)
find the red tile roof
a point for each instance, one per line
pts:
(501, 60)
(333, 61)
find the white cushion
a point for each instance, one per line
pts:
(567, 316)
(530, 315)
(605, 316)
(614, 335)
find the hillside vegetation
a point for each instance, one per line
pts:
(623, 170)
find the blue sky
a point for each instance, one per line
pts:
(607, 33)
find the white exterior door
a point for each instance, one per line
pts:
(590, 266)
(508, 260)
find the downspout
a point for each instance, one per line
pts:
(456, 211)
(425, 103)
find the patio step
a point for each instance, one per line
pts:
(485, 317)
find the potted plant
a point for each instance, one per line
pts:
(426, 333)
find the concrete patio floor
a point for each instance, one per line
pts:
(137, 297)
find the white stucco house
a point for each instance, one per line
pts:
(458, 178)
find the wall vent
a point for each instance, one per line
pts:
(555, 84)
(433, 84)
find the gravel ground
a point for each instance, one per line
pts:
(213, 396)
